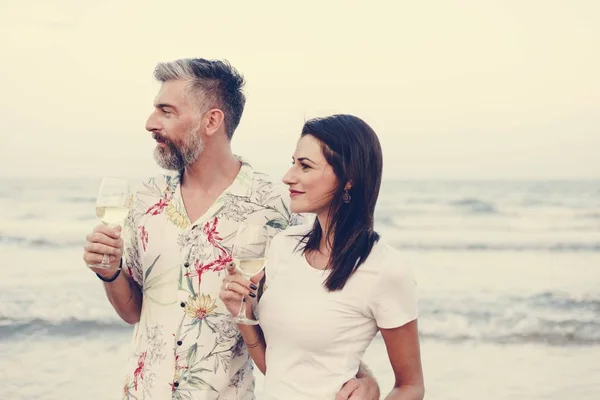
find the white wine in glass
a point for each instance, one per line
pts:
(250, 257)
(111, 216)
(112, 206)
(250, 266)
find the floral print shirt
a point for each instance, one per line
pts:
(184, 346)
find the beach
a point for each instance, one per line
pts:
(508, 276)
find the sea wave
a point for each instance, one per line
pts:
(563, 301)
(79, 199)
(474, 205)
(41, 243)
(528, 330)
(392, 221)
(543, 338)
(549, 318)
(38, 243)
(69, 327)
(500, 247)
(466, 205)
(590, 215)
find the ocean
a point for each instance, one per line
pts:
(508, 275)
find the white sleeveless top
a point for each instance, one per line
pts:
(316, 338)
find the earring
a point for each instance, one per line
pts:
(346, 197)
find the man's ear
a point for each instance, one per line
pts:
(214, 119)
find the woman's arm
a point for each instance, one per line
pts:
(233, 288)
(403, 350)
(255, 342)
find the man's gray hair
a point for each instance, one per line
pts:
(212, 84)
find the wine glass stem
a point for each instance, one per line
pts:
(105, 261)
(242, 312)
(105, 257)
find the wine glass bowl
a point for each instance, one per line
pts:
(112, 206)
(249, 257)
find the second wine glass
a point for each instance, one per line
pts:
(250, 257)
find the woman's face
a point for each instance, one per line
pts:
(311, 179)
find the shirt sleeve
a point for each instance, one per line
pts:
(394, 302)
(132, 235)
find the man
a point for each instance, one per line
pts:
(179, 234)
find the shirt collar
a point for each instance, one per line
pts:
(242, 184)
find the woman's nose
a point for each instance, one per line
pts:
(290, 177)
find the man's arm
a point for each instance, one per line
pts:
(363, 386)
(125, 296)
(364, 372)
(123, 293)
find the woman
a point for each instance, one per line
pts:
(332, 285)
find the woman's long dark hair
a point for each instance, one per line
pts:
(352, 149)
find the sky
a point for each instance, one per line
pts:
(462, 89)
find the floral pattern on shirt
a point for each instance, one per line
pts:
(184, 346)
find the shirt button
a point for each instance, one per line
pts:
(187, 264)
(176, 384)
(182, 304)
(179, 343)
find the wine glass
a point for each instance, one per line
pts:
(112, 206)
(250, 257)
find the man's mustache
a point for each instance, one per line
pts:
(156, 136)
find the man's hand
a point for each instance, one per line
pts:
(359, 389)
(103, 241)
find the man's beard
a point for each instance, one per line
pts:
(176, 158)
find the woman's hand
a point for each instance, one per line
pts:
(235, 286)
